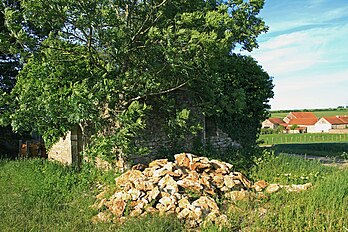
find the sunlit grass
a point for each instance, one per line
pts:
(37, 195)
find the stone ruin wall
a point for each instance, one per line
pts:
(61, 151)
(66, 149)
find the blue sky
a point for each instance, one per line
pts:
(306, 52)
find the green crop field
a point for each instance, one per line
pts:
(332, 145)
(270, 139)
(319, 114)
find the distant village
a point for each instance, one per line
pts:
(306, 122)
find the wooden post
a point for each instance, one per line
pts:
(27, 151)
(19, 148)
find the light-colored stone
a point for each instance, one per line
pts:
(158, 163)
(129, 176)
(183, 203)
(260, 185)
(207, 204)
(135, 194)
(102, 217)
(160, 172)
(218, 180)
(121, 196)
(183, 213)
(166, 201)
(169, 187)
(152, 195)
(298, 187)
(238, 195)
(116, 207)
(143, 185)
(243, 179)
(200, 167)
(212, 216)
(102, 194)
(222, 220)
(183, 160)
(168, 184)
(101, 204)
(221, 167)
(188, 183)
(272, 188)
(229, 181)
(136, 212)
(168, 166)
(204, 180)
(151, 210)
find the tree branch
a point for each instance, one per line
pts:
(154, 94)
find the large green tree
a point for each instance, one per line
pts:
(98, 62)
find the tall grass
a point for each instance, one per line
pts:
(37, 195)
(322, 208)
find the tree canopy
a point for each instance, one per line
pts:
(97, 61)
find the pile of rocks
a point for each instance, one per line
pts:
(186, 187)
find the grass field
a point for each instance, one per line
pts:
(339, 150)
(270, 139)
(319, 114)
(331, 145)
(36, 195)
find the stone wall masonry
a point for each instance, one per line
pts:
(222, 141)
(62, 150)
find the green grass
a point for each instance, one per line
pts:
(270, 139)
(339, 150)
(331, 145)
(321, 208)
(37, 195)
(319, 114)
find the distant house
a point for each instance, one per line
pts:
(325, 124)
(304, 121)
(300, 115)
(304, 125)
(273, 123)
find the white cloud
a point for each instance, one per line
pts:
(299, 51)
(311, 91)
(306, 53)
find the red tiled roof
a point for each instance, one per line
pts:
(303, 121)
(303, 115)
(337, 120)
(278, 121)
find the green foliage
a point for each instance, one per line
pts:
(294, 127)
(242, 98)
(120, 142)
(87, 62)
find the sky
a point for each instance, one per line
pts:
(306, 53)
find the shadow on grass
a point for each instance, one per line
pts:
(339, 150)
